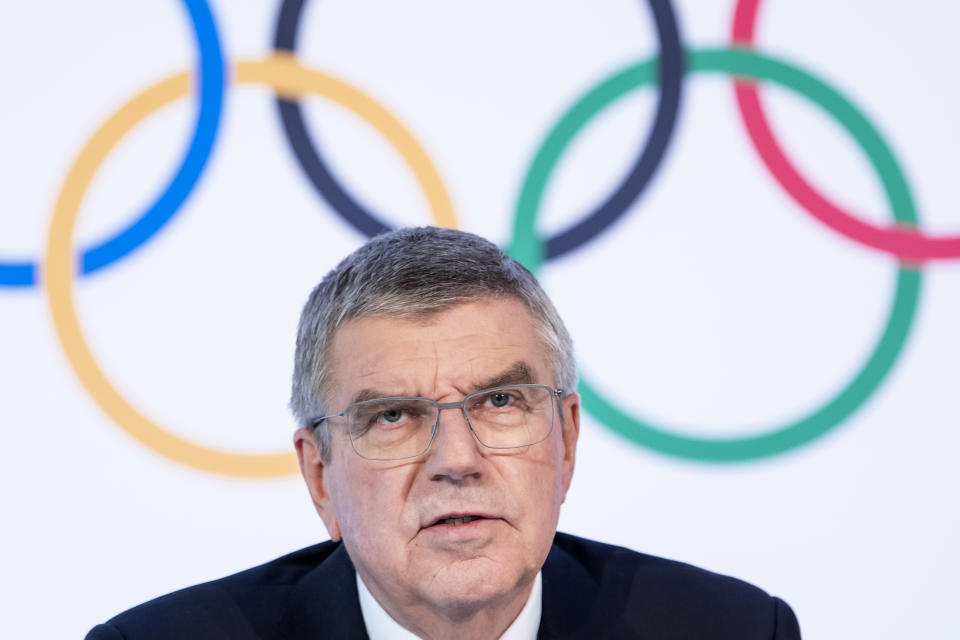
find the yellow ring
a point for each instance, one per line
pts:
(288, 79)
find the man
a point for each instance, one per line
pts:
(434, 386)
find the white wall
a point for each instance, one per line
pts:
(716, 308)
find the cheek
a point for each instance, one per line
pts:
(555, 481)
(541, 480)
(369, 503)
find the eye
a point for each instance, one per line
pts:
(500, 399)
(391, 416)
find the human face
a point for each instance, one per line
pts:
(387, 512)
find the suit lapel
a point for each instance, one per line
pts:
(569, 593)
(325, 603)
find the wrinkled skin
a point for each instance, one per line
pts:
(438, 581)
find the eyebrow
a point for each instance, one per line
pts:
(369, 394)
(518, 373)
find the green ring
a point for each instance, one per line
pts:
(528, 245)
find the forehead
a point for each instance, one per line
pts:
(452, 351)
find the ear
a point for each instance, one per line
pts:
(312, 469)
(571, 431)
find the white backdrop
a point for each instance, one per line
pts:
(716, 307)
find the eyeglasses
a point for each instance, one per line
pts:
(403, 427)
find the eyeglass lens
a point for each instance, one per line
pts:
(504, 417)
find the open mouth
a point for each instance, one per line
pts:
(456, 521)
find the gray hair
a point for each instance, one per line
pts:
(414, 273)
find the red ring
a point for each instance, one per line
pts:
(905, 243)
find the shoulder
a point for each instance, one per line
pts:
(610, 564)
(248, 604)
(643, 594)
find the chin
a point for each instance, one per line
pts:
(466, 585)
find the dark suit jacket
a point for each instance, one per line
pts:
(590, 590)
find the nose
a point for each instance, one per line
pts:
(455, 453)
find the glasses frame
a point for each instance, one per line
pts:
(555, 393)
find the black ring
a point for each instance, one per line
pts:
(671, 69)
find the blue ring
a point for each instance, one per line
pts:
(210, 103)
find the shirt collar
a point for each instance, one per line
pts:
(381, 626)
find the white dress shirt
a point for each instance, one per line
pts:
(380, 626)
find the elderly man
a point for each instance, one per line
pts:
(434, 386)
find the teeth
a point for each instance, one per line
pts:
(458, 521)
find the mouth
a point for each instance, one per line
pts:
(455, 532)
(454, 520)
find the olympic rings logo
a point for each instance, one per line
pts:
(667, 72)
